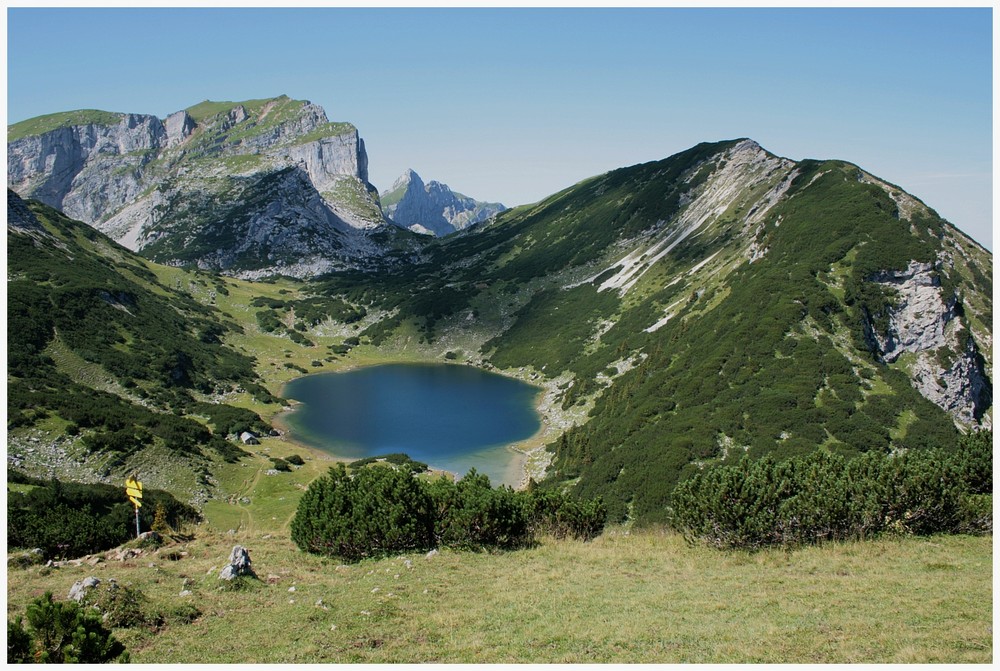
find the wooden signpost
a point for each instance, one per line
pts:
(134, 490)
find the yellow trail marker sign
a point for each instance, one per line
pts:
(133, 488)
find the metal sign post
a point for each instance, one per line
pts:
(134, 490)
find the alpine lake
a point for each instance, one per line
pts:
(451, 417)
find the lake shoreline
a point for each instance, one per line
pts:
(527, 457)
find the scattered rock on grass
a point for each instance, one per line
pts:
(79, 589)
(239, 564)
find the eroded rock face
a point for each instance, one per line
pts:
(920, 317)
(946, 366)
(86, 170)
(179, 127)
(143, 181)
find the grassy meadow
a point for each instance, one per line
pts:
(641, 596)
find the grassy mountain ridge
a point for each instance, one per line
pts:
(48, 122)
(273, 173)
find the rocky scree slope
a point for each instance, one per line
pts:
(250, 189)
(433, 207)
(719, 302)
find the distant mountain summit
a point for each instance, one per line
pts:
(433, 207)
(249, 188)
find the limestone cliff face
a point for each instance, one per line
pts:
(86, 170)
(944, 361)
(160, 187)
(433, 207)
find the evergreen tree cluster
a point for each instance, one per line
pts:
(380, 511)
(66, 519)
(825, 496)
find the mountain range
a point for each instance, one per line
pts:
(720, 302)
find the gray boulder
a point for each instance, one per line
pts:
(239, 564)
(79, 589)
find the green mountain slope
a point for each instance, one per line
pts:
(718, 302)
(102, 352)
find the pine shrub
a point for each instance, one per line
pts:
(374, 513)
(556, 514)
(61, 632)
(382, 510)
(470, 514)
(824, 496)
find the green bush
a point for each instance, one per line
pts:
(471, 515)
(66, 519)
(976, 516)
(374, 513)
(825, 496)
(19, 645)
(383, 510)
(61, 632)
(974, 459)
(280, 464)
(556, 514)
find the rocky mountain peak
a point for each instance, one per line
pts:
(432, 207)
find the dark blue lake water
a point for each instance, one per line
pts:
(449, 416)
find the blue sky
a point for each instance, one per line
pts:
(513, 104)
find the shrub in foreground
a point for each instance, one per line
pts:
(374, 513)
(381, 510)
(825, 496)
(558, 515)
(61, 632)
(470, 514)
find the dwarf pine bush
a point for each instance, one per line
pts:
(374, 513)
(380, 510)
(61, 632)
(825, 496)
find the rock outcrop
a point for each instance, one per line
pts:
(260, 187)
(79, 589)
(433, 207)
(239, 564)
(945, 365)
(19, 217)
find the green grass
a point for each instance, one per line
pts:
(207, 109)
(49, 122)
(331, 129)
(639, 597)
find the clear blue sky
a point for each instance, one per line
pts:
(512, 104)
